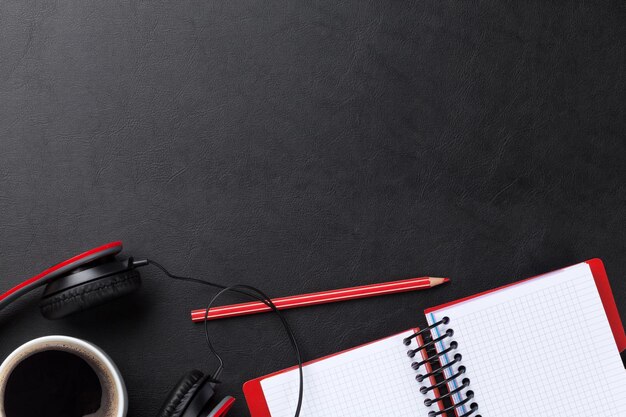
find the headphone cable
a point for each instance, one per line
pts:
(250, 292)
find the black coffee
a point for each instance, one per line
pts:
(52, 383)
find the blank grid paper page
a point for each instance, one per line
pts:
(370, 381)
(540, 348)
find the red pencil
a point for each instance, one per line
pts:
(323, 297)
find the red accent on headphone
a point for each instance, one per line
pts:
(56, 267)
(224, 407)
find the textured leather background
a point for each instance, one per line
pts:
(299, 146)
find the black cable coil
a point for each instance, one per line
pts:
(437, 376)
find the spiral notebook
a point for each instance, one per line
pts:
(549, 345)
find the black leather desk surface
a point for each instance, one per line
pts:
(300, 146)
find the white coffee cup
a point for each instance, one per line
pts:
(114, 401)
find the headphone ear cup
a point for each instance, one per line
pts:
(182, 394)
(90, 294)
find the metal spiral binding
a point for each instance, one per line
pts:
(438, 380)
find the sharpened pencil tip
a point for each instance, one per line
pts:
(434, 281)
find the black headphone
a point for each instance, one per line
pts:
(98, 276)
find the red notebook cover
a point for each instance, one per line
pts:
(258, 405)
